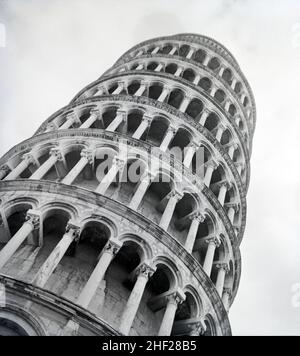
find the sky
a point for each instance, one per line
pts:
(49, 50)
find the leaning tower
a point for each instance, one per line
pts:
(124, 212)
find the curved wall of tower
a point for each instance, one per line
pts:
(124, 213)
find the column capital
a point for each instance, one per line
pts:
(5, 168)
(89, 154)
(95, 111)
(175, 194)
(51, 126)
(112, 246)
(74, 230)
(33, 218)
(118, 162)
(234, 145)
(121, 112)
(213, 239)
(176, 298)
(145, 270)
(56, 152)
(212, 164)
(148, 119)
(193, 144)
(197, 215)
(197, 328)
(222, 266)
(29, 158)
(235, 207)
(172, 129)
(227, 291)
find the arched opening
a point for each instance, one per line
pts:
(189, 75)
(176, 98)
(206, 228)
(79, 262)
(16, 217)
(157, 131)
(155, 90)
(181, 140)
(226, 137)
(184, 50)
(171, 68)
(166, 49)
(232, 110)
(155, 199)
(185, 316)
(11, 328)
(227, 75)
(133, 87)
(152, 66)
(238, 87)
(108, 116)
(134, 120)
(194, 108)
(211, 122)
(214, 63)
(130, 179)
(199, 56)
(220, 96)
(205, 83)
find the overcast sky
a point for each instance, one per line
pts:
(54, 48)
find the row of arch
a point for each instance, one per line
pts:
(94, 235)
(126, 185)
(156, 129)
(199, 55)
(191, 104)
(188, 72)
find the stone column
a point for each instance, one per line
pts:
(119, 89)
(156, 49)
(32, 222)
(87, 157)
(213, 90)
(4, 170)
(184, 104)
(221, 71)
(164, 94)
(231, 150)
(220, 131)
(71, 119)
(121, 115)
(196, 218)
(211, 166)
(191, 52)
(197, 329)
(173, 301)
(212, 242)
(227, 105)
(189, 152)
(233, 83)
(45, 272)
(206, 60)
(231, 212)
(222, 192)
(139, 67)
(173, 50)
(140, 192)
(141, 90)
(171, 131)
(145, 123)
(197, 79)
(223, 269)
(27, 159)
(144, 272)
(178, 71)
(159, 67)
(93, 117)
(108, 253)
(174, 197)
(226, 298)
(204, 115)
(55, 155)
(117, 165)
